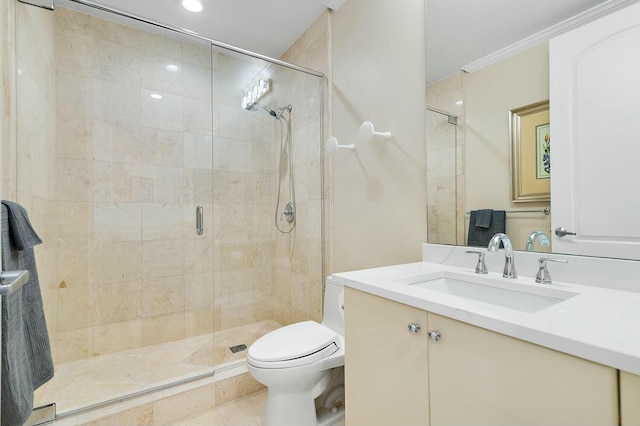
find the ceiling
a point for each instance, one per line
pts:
(459, 32)
(265, 27)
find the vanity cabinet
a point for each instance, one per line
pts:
(385, 365)
(629, 399)
(481, 377)
(468, 376)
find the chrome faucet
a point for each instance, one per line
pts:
(544, 240)
(509, 261)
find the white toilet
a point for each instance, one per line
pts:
(302, 366)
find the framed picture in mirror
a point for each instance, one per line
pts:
(530, 138)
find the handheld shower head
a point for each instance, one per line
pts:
(256, 107)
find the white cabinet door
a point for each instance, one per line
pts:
(595, 119)
(481, 378)
(386, 377)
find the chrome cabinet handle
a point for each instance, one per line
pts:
(561, 232)
(434, 335)
(199, 220)
(413, 328)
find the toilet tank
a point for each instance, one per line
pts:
(333, 313)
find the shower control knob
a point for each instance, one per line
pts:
(413, 328)
(434, 335)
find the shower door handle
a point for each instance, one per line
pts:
(199, 220)
(12, 281)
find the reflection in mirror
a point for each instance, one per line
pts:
(495, 82)
(482, 101)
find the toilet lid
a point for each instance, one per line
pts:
(296, 344)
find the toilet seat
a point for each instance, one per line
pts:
(293, 345)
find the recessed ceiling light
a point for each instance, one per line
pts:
(156, 96)
(172, 68)
(193, 5)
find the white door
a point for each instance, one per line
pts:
(595, 119)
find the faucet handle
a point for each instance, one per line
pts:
(543, 275)
(481, 267)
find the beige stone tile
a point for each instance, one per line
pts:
(74, 95)
(165, 113)
(162, 258)
(184, 405)
(247, 411)
(198, 151)
(199, 290)
(73, 264)
(163, 328)
(197, 186)
(117, 222)
(209, 417)
(236, 314)
(161, 184)
(117, 302)
(115, 62)
(116, 142)
(143, 415)
(199, 321)
(162, 221)
(75, 180)
(198, 256)
(117, 337)
(162, 73)
(196, 116)
(235, 285)
(162, 147)
(116, 102)
(116, 262)
(74, 138)
(236, 387)
(163, 296)
(74, 50)
(197, 54)
(74, 345)
(74, 308)
(196, 82)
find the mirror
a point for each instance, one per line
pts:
(468, 142)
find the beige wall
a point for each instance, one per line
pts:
(489, 94)
(379, 205)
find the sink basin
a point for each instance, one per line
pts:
(500, 292)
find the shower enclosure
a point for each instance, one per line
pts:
(444, 181)
(156, 195)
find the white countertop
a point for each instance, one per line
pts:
(599, 324)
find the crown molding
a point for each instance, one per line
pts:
(547, 34)
(333, 4)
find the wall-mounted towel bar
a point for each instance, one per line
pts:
(12, 281)
(546, 211)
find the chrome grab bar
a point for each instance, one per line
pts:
(12, 281)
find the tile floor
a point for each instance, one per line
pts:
(86, 382)
(245, 411)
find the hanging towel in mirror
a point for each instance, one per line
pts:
(26, 353)
(483, 218)
(479, 236)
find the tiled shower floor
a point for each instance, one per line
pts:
(86, 382)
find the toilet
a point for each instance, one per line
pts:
(302, 366)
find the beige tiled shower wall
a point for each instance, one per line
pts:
(131, 170)
(445, 163)
(298, 272)
(31, 176)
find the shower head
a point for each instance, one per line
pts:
(256, 107)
